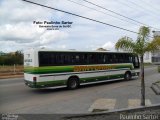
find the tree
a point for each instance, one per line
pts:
(12, 58)
(140, 47)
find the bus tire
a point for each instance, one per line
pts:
(73, 83)
(127, 76)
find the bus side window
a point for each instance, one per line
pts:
(45, 59)
(107, 59)
(61, 59)
(66, 58)
(83, 58)
(90, 59)
(52, 59)
(126, 58)
(77, 59)
(115, 58)
(100, 58)
(104, 59)
(110, 56)
(120, 58)
(80, 58)
(71, 58)
(58, 59)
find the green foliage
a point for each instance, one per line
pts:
(141, 45)
(10, 59)
(147, 64)
(126, 44)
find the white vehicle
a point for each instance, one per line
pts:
(47, 68)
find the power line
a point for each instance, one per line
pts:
(150, 5)
(102, 12)
(119, 14)
(141, 7)
(131, 7)
(124, 4)
(82, 17)
(79, 16)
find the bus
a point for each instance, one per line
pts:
(51, 68)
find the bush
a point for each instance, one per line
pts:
(11, 59)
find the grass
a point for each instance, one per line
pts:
(147, 64)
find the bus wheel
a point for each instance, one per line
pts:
(73, 83)
(127, 76)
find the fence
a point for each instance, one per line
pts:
(14, 69)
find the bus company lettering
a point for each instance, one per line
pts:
(28, 60)
(90, 68)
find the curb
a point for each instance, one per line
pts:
(156, 88)
(114, 114)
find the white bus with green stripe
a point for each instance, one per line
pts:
(50, 68)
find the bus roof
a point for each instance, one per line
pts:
(53, 50)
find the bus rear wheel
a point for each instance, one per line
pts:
(73, 83)
(127, 76)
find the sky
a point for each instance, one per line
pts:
(18, 32)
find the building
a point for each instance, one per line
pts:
(101, 49)
(156, 33)
(153, 57)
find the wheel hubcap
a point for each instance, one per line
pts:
(127, 76)
(73, 84)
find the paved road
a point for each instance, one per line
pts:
(15, 97)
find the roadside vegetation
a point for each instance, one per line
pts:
(147, 64)
(12, 58)
(11, 64)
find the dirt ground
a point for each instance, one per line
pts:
(11, 71)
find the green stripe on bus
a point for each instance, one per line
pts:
(55, 83)
(62, 69)
(52, 69)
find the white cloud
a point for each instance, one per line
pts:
(108, 45)
(50, 36)
(20, 32)
(17, 29)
